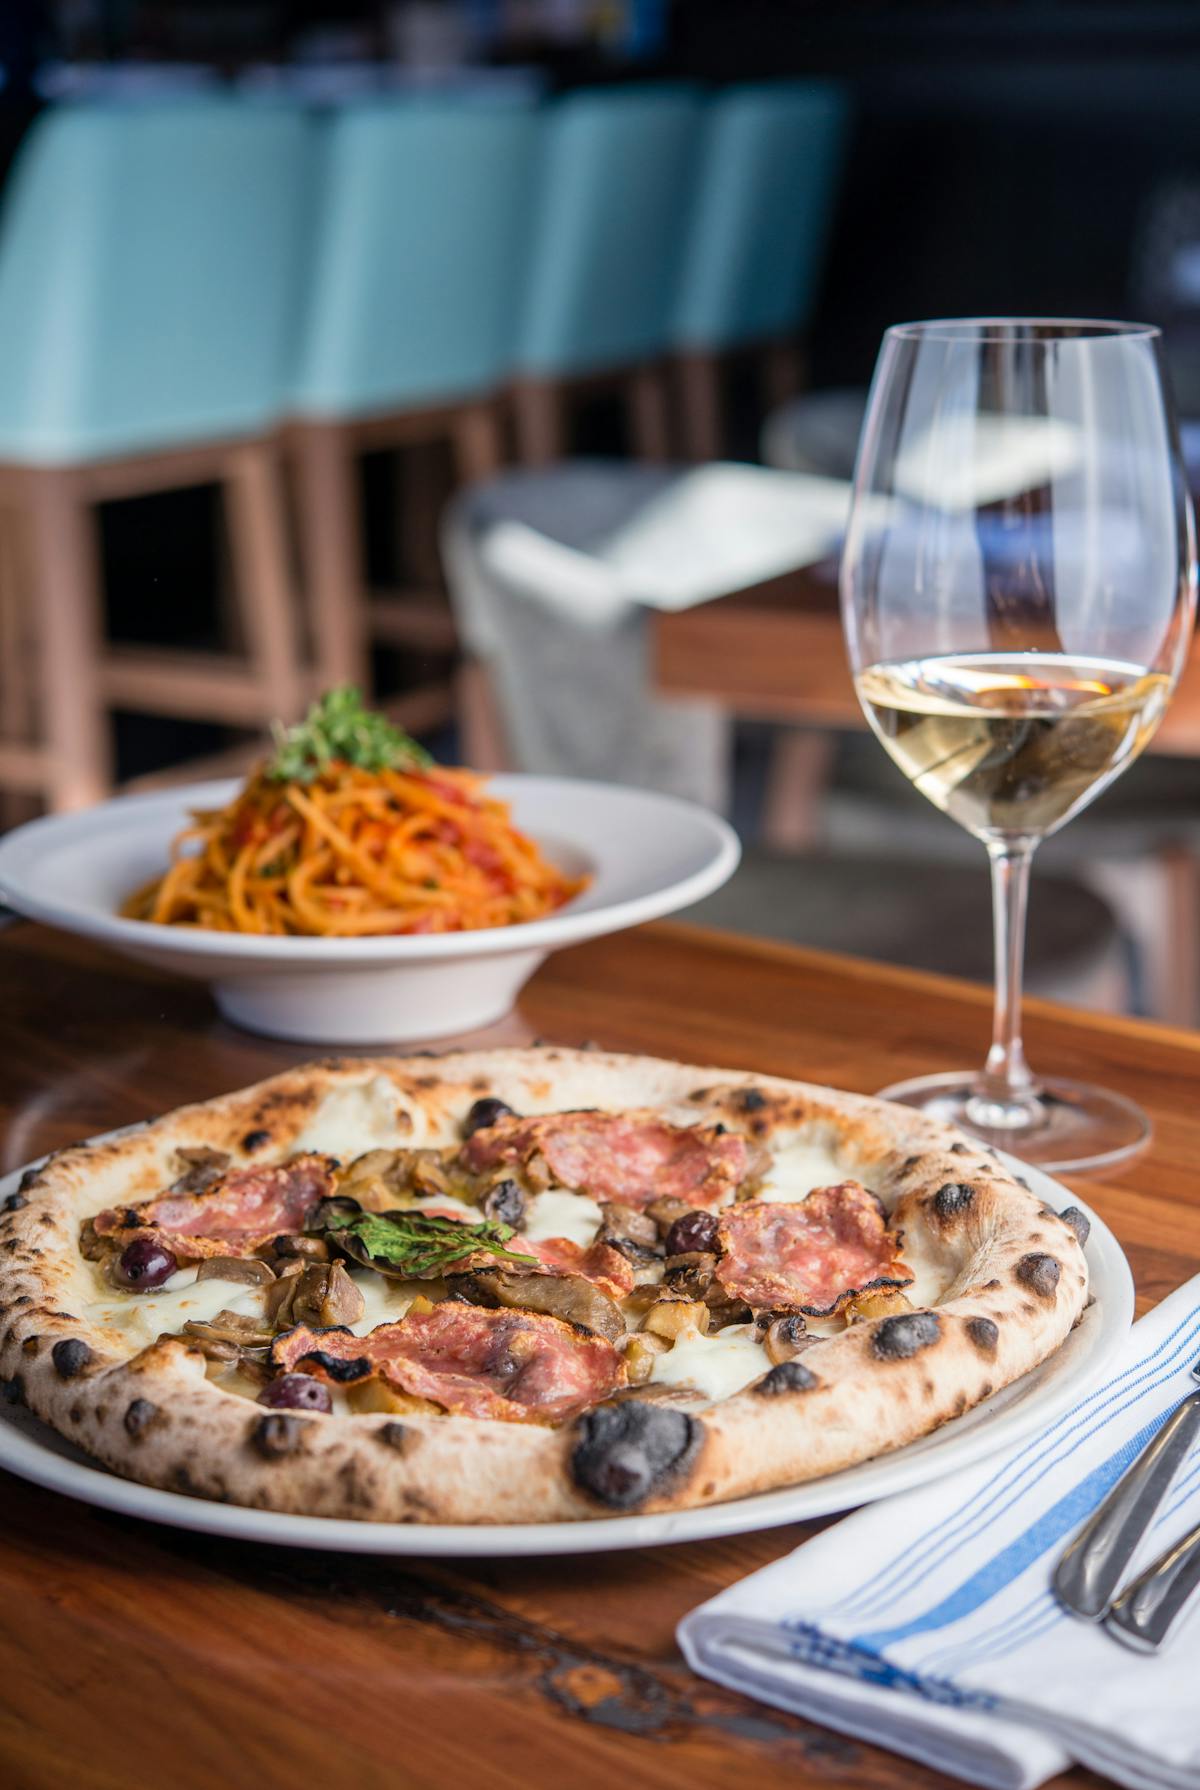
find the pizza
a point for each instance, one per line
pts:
(521, 1286)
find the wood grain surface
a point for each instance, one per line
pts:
(136, 1658)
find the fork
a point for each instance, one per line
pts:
(1086, 1578)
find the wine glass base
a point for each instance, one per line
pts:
(1073, 1128)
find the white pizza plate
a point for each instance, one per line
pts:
(647, 855)
(32, 1451)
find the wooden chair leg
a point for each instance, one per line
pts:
(331, 550)
(698, 383)
(1178, 992)
(266, 596)
(482, 741)
(478, 443)
(539, 417)
(797, 779)
(420, 484)
(649, 415)
(67, 608)
(18, 715)
(784, 369)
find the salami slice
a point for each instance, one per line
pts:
(234, 1216)
(812, 1255)
(631, 1157)
(600, 1263)
(514, 1365)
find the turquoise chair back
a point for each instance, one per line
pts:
(615, 185)
(420, 252)
(760, 221)
(151, 262)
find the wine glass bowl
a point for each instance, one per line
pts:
(1018, 587)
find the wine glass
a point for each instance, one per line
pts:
(1018, 587)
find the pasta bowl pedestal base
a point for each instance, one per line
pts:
(384, 1005)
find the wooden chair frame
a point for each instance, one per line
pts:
(55, 558)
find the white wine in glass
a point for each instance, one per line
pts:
(1018, 588)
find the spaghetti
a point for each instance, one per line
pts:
(337, 849)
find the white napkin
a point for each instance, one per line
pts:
(926, 1623)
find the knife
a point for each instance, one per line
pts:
(1086, 1578)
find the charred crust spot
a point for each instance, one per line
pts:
(12, 1392)
(14, 1202)
(759, 1127)
(29, 1180)
(31, 1345)
(1079, 1222)
(960, 1149)
(76, 1413)
(1040, 1273)
(896, 1339)
(276, 1434)
(909, 1164)
(987, 1389)
(952, 1199)
(984, 1334)
(628, 1451)
(139, 1415)
(750, 1100)
(337, 1367)
(396, 1435)
(254, 1140)
(70, 1357)
(786, 1376)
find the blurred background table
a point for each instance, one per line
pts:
(139, 1655)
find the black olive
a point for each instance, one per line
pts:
(486, 1112)
(695, 1231)
(144, 1264)
(504, 1203)
(296, 1392)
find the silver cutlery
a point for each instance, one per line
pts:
(1086, 1579)
(1145, 1610)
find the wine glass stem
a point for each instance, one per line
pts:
(1007, 1096)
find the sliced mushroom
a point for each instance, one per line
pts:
(320, 1293)
(887, 1302)
(385, 1177)
(237, 1330)
(504, 1202)
(630, 1232)
(285, 1248)
(665, 1211)
(785, 1337)
(671, 1316)
(201, 1167)
(640, 1352)
(246, 1269)
(690, 1274)
(567, 1296)
(723, 1311)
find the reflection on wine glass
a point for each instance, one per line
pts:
(1018, 588)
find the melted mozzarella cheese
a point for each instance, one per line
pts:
(141, 1317)
(559, 1214)
(717, 1366)
(796, 1169)
(386, 1300)
(350, 1121)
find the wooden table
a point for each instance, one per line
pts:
(144, 1658)
(777, 653)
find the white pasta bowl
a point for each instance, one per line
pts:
(647, 855)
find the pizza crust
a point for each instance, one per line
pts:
(1006, 1279)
